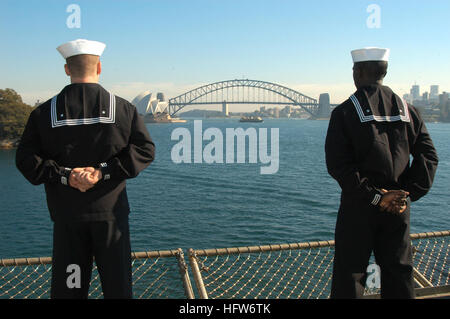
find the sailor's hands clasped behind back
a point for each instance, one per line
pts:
(84, 178)
(394, 201)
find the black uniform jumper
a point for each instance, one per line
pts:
(368, 146)
(85, 125)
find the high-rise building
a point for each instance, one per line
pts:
(407, 98)
(287, 109)
(443, 99)
(160, 96)
(415, 92)
(444, 106)
(434, 93)
(276, 112)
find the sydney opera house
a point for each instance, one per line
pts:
(148, 102)
(154, 108)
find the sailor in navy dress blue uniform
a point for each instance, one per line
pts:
(87, 126)
(369, 142)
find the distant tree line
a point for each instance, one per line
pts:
(14, 114)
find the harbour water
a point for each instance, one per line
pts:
(219, 205)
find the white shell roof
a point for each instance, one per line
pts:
(146, 102)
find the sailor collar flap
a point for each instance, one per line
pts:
(380, 104)
(82, 106)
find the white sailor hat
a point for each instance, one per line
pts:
(370, 54)
(81, 46)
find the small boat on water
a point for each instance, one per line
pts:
(256, 119)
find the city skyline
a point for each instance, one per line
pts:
(174, 46)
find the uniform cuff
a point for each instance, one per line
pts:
(106, 171)
(65, 175)
(376, 197)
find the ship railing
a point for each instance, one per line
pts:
(285, 271)
(156, 274)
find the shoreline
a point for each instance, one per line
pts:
(7, 144)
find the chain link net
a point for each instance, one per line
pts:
(157, 277)
(30, 281)
(289, 274)
(279, 271)
(431, 259)
(299, 273)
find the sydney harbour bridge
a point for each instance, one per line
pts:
(239, 91)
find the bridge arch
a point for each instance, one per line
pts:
(291, 96)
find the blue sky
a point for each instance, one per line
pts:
(173, 46)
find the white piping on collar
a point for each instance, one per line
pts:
(379, 118)
(84, 121)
